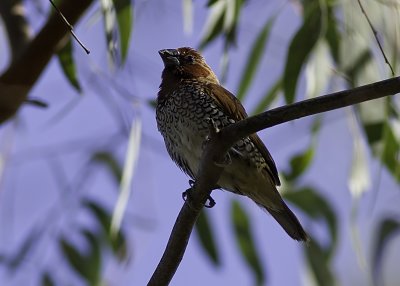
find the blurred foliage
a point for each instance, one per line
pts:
(351, 57)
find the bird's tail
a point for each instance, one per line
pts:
(289, 222)
(274, 204)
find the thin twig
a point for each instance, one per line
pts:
(375, 32)
(215, 150)
(70, 27)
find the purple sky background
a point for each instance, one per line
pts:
(45, 144)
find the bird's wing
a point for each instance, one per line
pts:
(232, 106)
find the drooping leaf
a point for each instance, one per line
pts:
(93, 257)
(245, 241)
(214, 25)
(352, 70)
(110, 162)
(205, 233)
(317, 207)
(125, 188)
(300, 48)
(75, 259)
(390, 154)
(118, 244)
(68, 66)
(333, 35)
(319, 263)
(387, 229)
(123, 9)
(109, 16)
(254, 59)
(374, 132)
(269, 97)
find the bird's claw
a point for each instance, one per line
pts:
(187, 197)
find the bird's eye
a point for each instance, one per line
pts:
(190, 59)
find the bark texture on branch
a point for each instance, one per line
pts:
(216, 148)
(19, 78)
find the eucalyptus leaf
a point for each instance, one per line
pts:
(206, 236)
(68, 66)
(300, 48)
(245, 241)
(269, 97)
(123, 9)
(254, 58)
(319, 263)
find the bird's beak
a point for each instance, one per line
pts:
(169, 57)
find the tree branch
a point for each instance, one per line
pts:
(218, 145)
(21, 75)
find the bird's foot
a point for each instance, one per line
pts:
(187, 197)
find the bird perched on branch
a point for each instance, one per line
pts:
(190, 96)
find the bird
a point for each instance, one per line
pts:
(189, 96)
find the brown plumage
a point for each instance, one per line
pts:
(189, 95)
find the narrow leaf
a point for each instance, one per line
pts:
(108, 159)
(386, 231)
(245, 241)
(299, 50)
(269, 97)
(131, 159)
(67, 64)
(123, 9)
(75, 259)
(206, 237)
(107, 9)
(254, 58)
(47, 280)
(214, 24)
(333, 36)
(319, 264)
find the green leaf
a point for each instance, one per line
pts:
(87, 265)
(214, 25)
(118, 244)
(353, 69)
(390, 155)
(374, 132)
(333, 36)
(123, 9)
(319, 264)
(245, 241)
(317, 207)
(108, 160)
(206, 237)
(300, 48)
(387, 229)
(75, 259)
(269, 97)
(67, 64)
(254, 58)
(300, 162)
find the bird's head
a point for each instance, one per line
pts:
(186, 63)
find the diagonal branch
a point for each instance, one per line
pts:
(18, 79)
(221, 142)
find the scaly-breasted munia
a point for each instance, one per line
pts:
(189, 96)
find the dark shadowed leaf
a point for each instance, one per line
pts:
(123, 8)
(206, 237)
(353, 69)
(333, 35)
(68, 67)
(47, 280)
(319, 263)
(374, 132)
(93, 258)
(317, 207)
(214, 25)
(75, 259)
(300, 48)
(254, 59)
(108, 160)
(387, 229)
(269, 97)
(390, 155)
(118, 244)
(245, 241)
